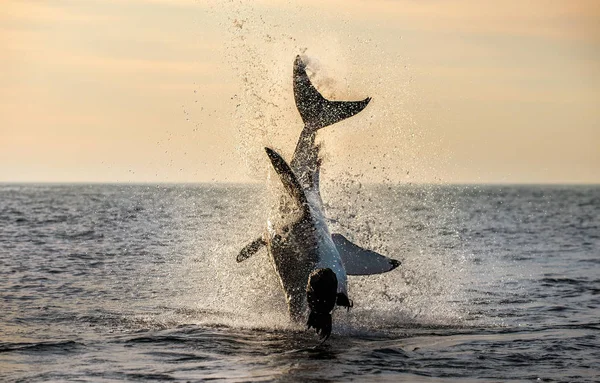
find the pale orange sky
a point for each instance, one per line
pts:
(190, 91)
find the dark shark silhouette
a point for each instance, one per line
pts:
(312, 264)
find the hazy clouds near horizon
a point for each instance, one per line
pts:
(184, 91)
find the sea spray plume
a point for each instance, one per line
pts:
(311, 262)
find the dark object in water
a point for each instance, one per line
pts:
(321, 295)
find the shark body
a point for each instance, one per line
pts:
(311, 262)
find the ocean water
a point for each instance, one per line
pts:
(140, 283)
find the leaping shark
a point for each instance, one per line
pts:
(311, 262)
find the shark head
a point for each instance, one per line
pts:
(321, 295)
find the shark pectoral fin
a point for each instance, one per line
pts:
(359, 261)
(316, 111)
(343, 300)
(289, 180)
(250, 249)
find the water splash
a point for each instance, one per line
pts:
(383, 146)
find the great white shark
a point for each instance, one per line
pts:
(311, 262)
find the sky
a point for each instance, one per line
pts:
(191, 91)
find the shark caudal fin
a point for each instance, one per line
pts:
(289, 180)
(316, 111)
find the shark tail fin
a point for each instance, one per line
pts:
(289, 180)
(316, 111)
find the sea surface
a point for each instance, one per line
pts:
(140, 283)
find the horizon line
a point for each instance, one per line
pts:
(256, 183)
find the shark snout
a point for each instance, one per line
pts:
(321, 295)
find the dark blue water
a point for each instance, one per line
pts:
(113, 282)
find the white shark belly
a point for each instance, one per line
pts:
(328, 255)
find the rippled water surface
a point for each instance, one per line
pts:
(139, 282)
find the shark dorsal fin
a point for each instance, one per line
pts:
(289, 180)
(316, 111)
(359, 261)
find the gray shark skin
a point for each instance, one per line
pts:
(311, 262)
